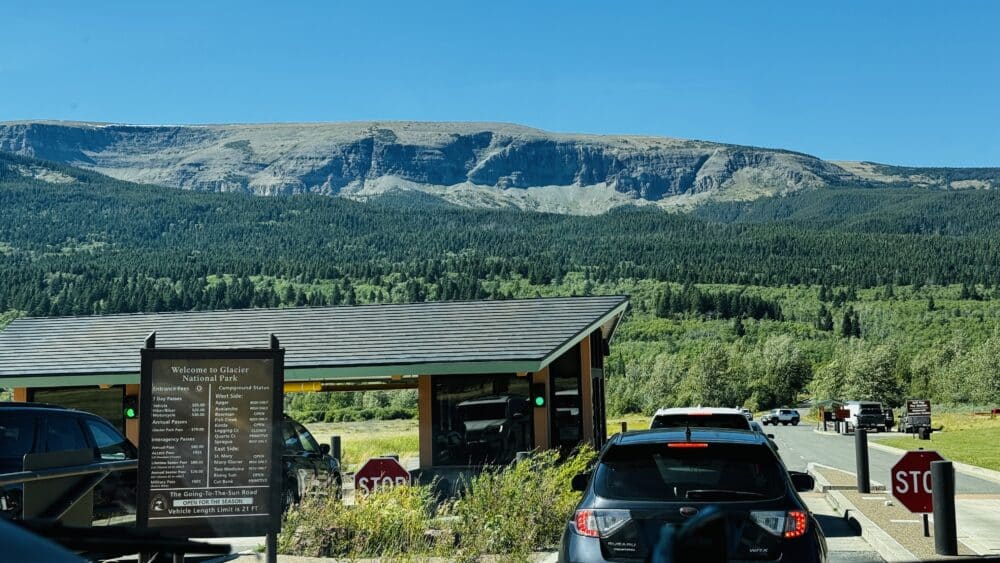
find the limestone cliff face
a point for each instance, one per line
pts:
(469, 163)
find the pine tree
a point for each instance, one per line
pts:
(824, 320)
(846, 330)
(663, 304)
(825, 293)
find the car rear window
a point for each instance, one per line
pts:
(716, 472)
(735, 421)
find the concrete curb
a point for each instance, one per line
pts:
(887, 547)
(825, 485)
(821, 482)
(970, 470)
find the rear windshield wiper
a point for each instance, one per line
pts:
(719, 494)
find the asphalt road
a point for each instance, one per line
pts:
(798, 445)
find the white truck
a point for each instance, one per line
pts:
(867, 415)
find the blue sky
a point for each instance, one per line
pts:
(905, 82)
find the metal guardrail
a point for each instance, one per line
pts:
(106, 467)
(108, 541)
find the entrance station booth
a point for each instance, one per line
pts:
(493, 377)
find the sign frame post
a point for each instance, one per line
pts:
(264, 360)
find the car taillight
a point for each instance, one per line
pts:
(599, 523)
(687, 445)
(791, 524)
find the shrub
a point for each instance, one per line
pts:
(358, 414)
(507, 511)
(390, 523)
(519, 508)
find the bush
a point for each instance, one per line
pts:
(351, 406)
(388, 523)
(356, 414)
(519, 508)
(509, 511)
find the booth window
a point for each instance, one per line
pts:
(567, 422)
(105, 403)
(480, 420)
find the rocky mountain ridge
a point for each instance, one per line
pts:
(472, 164)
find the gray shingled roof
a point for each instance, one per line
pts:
(370, 340)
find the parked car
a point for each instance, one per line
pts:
(890, 419)
(728, 485)
(756, 427)
(781, 416)
(27, 428)
(37, 428)
(866, 414)
(307, 467)
(700, 417)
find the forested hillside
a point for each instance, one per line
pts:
(742, 305)
(902, 211)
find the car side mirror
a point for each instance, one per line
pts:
(802, 482)
(580, 481)
(771, 436)
(324, 449)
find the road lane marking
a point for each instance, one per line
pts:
(905, 521)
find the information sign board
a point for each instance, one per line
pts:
(209, 454)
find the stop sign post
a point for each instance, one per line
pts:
(911, 481)
(380, 473)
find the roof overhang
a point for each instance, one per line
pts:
(607, 323)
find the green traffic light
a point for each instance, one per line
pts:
(539, 401)
(130, 413)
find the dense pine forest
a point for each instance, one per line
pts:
(849, 293)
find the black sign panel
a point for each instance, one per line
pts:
(209, 455)
(918, 406)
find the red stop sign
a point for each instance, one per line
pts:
(380, 473)
(911, 480)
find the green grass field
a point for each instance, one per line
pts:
(360, 441)
(363, 440)
(966, 438)
(633, 421)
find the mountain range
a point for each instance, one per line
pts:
(468, 164)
